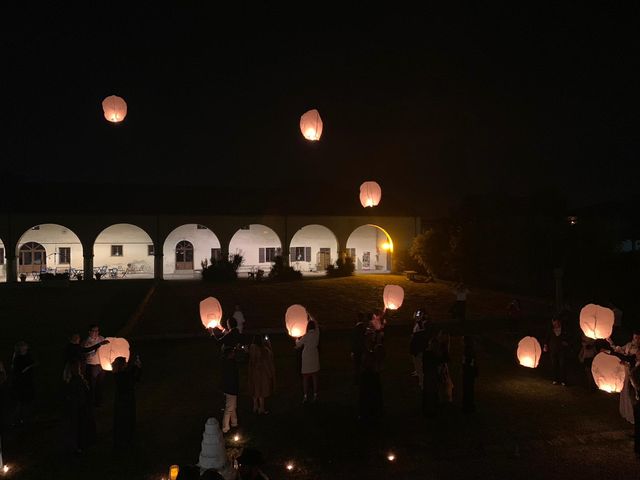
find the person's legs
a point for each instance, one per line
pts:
(562, 368)
(636, 428)
(229, 418)
(261, 408)
(305, 386)
(256, 406)
(555, 367)
(417, 364)
(314, 378)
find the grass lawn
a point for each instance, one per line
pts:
(524, 427)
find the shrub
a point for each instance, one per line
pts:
(344, 267)
(222, 270)
(281, 272)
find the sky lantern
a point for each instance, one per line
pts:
(608, 372)
(311, 125)
(529, 352)
(370, 194)
(115, 108)
(296, 320)
(393, 296)
(210, 312)
(117, 347)
(596, 322)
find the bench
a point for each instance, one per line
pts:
(410, 274)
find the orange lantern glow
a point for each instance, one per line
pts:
(370, 194)
(608, 372)
(174, 470)
(311, 125)
(393, 297)
(296, 320)
(529, 352)
(596, 322)
(210, 312)
(115, 108)
(117, 347)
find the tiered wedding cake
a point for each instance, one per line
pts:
(212, 453)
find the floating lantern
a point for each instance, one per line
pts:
(596, 322)
(296, 320)
(608, 372)
(289, 466)
(311, 125)
(391, 457)
(210, 312)
(236, 438)
(174, 470)
(117, 347)
(529, 352)
(370, 194)
(393, 297)
(115, 108)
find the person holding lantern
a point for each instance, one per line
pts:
(22, 385)
(418, 343)
(93, 371)
(230, 376)
(357, 346)
(262, 375)
(124, 410)
(557, 344)
(626, 395)
(310, 359)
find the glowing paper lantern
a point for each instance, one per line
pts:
(296, 320)
(210, 312)
(608, 372)
(174, 470)
(529, 352)
(115, 108)
(311, 125)
(393, 297)
(596, 322)
(370, 194)
(117, 347)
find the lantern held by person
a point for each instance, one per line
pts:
(311, 125)
(393, 297)
(608, 372)
(115, 108)
(596, 322)
(210, 312)
(370, 194)
(117, 347)
(529, 352)
(174, 470)
(296, 320)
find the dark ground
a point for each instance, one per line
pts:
(525, 427)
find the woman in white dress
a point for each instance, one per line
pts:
(310, 359)
(626, 399)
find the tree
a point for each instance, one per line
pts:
(431, 250)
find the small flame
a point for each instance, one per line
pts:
(236, 438)
(391, 457)
(295, 332)
(5, 469)
(310, 134)
(290, 466)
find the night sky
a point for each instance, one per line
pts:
(436, 105)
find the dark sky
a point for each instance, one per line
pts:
(436, 105)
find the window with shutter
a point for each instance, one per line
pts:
(292, 254)
(307, 254)
(261, 255)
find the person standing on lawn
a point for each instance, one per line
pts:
(262, 373)
(310, 359)
(557, 344)
(230, 341)
(93, 371)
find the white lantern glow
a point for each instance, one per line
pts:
(210, 312)
(529, 352)
(596, 322)
(311, 125)
(296, 320)
(608, 372)
(393, 296)
(117, 347)
(370, 194)
(115, 108)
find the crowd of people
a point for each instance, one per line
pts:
(81, 392)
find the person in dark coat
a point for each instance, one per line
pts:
(22, 385)
(230, 341)
(357, 346)
(557, 344)
(634, 380)
(431, 378)
(124, 408)
(77, 410)
(469, 374)
(371, 402)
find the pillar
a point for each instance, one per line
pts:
(12, 268)
(158, 265)
(87, 266)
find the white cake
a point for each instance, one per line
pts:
(212, 453)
